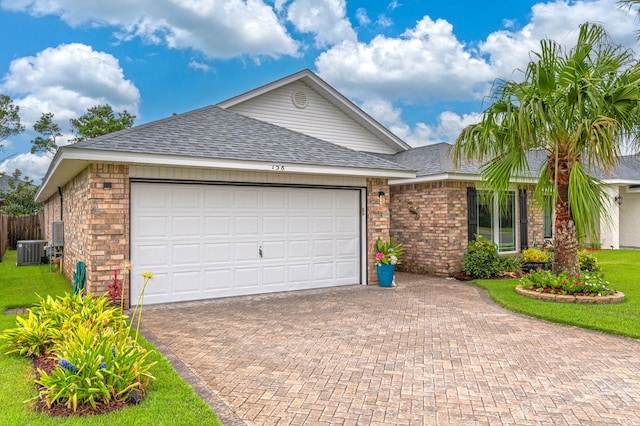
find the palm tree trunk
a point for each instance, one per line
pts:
(565, 242)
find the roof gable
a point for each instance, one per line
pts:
(305, 103)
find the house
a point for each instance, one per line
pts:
(220, 202)
(285, 187)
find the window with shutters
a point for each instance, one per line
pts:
(496, 219)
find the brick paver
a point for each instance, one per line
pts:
(429, 351)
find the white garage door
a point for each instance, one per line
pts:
(207, 241)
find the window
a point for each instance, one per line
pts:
(497, 219)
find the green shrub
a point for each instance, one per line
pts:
(96, 365)
(481, 259)
(588, 283)
(534, 255)
(31, 338)
(51, 318)
(98, 359)
(510, 263)
(588, 262)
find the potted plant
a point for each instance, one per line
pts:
(533, 258)
(388, 255)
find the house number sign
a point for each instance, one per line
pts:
(277, 168)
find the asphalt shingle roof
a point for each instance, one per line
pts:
(213, 132)
(435, 159)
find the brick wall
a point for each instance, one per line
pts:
(435, 239)
(378, 222)
(96, 224)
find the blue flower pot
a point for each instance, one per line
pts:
(385, 275)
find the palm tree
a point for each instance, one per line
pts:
(578, 106)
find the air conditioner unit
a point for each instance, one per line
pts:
(30, 252)
(57, 234)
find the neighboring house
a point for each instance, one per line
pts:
(285, 187)
(621, 227)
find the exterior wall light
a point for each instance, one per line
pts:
(618, 200)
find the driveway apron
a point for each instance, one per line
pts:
(429, 351)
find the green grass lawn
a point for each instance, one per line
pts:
(170, 401)
(621, 269)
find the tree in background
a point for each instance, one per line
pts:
(577, 106)
(19, 200)
(9, 118)
(100, 120)
(49, 131)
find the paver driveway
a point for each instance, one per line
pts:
(430, 351)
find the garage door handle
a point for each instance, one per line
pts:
(260, 252)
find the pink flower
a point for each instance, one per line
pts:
(379, 256)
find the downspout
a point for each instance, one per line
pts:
(60, 192)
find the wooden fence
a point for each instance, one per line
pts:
(25, 228)
(4, 234)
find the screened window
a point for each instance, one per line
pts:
(497, 219)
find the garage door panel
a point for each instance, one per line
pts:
(322, 271)
(204, 241)
(322, 248)
(186, 282)
(299, 249)
(247, 199)
(215, 279)
(323, 201)
(186, 199)
(186, 226)
(346, 225)
(152, 226)
(217, 253)
(246, 225)
(246, 277)
(217, 226)
(186, 254)
(299, 273)
(299, 225)
(273, 250)
(246, 251)
(323, 225)
(273, 225)
(274, 275)
(274, 200)
(151, 256)
(217, 199)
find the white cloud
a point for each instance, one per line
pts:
(67, 80)
(362, 17)
(31, 166)
(559, 21)
(425, 62)
(217, 28)
(447, 128)
(199, 66)
(326, 19)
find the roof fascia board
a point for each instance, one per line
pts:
(453, 177)
(70, 154)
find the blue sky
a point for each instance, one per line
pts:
(421, 68)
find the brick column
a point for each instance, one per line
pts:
(378, 222)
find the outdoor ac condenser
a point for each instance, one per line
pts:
(30, 252)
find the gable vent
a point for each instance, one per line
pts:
(300, 99)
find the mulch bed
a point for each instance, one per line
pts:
(47, 364)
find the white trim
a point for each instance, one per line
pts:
(82, 157)
(454, 177)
